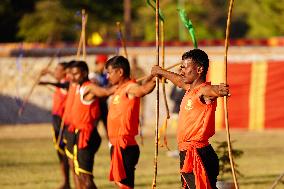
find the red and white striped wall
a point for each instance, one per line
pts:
(257, 89)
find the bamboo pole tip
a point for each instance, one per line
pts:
(118, 23)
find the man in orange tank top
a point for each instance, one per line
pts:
(85, 115)
(59, 100)
(123, 120)
(199, 163)
(68, 130)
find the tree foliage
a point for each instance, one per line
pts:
(48, 23)
(58, 20)
(263, 17)
(11, 11)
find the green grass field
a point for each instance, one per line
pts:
(28, 160)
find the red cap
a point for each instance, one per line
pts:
(101, 58)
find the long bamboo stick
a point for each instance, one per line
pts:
(154, 183)
(226, 99)
(82, 42)
(79, 46)
(27, 97)
(163, 129)
(122, 39)
(84, 21)
(277, 181)
(163, 66)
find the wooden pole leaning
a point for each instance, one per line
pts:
(163, 66)
(163, 128)
(154, 183)
(277, 181)
(36, 82)
(82, 44)
(79, 45)
(82, 41)
(84, 22)
(225, 98)
(122, 39)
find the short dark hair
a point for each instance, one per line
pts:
(199, 57)
(120, 62)
(83, 67)
(63, 64)
(70, 63)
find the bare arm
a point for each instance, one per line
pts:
(47, 71)
(211, 92)
(93, 91)
(142, 90)
(175, 78)
(64, 85)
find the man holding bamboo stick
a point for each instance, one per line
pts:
(58, 106)
(123, 120)
(85, 116)
(198, 161)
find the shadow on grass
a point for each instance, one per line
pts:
(31, 114)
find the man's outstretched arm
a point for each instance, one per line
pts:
(142, 90)
(211, 92)
(175, 78)
(93, 90)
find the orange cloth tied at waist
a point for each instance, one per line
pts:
(117, 172)
(71, 128)
(84, 136)
(193, 163)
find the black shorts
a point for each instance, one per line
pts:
(69, 139)
(211, 164)
(59, 145)
(130, 157)
(84, 158)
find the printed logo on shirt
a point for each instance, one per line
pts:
(189, 105)
(116, 99)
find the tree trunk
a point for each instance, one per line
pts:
(127, 18)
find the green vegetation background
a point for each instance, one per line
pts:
(59, 20)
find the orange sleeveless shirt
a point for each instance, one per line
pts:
(196, 120)
(196, 125)
(68, 104)
(59, 99)
(123, 122)
(123, 116)
(84, 114)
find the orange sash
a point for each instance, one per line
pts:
(196, 126)
(117, 172)
(193, 163)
